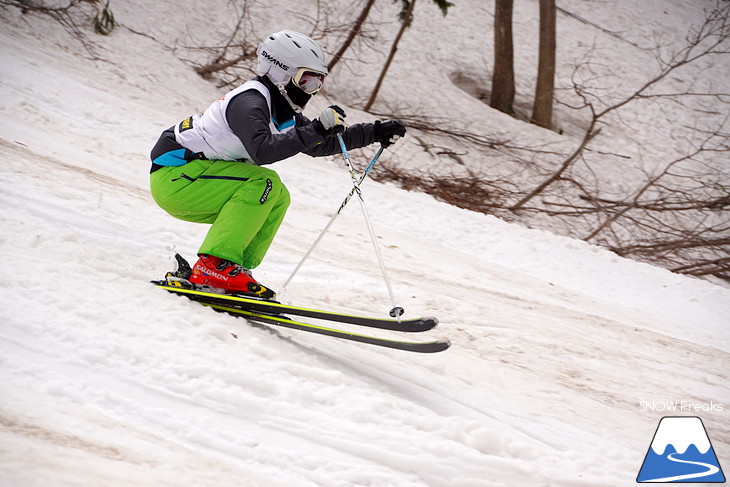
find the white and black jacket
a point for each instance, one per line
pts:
(255, 124)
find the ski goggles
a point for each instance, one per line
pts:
(309, 81)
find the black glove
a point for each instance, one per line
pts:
(387, 133)
(331, 121)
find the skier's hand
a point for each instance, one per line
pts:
(331, 121)
(388, 133)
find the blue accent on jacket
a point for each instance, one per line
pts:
(172, 158)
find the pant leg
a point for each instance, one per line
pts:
(245, 204)
(254, 253)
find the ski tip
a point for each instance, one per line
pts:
(434, 347)
(431, 321)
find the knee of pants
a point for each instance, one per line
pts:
(278, 195)
(284, 196)
(268, 188)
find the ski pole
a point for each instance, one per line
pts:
(396, 311)
(332, 220)
(362, 178)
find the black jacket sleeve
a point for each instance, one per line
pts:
(248, 117)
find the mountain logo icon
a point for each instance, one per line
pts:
(681, 452)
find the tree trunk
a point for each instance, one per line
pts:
(351, 36)
(542, 111)
(503, 78)
(393, 49)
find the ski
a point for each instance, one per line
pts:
(432, 346)
(274, 313)
(264, 306)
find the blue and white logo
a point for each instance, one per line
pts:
(681, 452)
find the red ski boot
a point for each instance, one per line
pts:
(213, 271)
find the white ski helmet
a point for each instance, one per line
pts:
(287, 54)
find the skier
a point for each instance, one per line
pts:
(208, 168)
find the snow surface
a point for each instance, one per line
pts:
(109, 382)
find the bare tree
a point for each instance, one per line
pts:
(542, 112)
(677, 215)
(406, 16)
(710, 39)
(677, 212)
(71, 15)
(672, 212)
(237, 47)
(230, 60)
(503, 77)
(354, 31)
(405, 22)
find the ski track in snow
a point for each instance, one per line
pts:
(110, 381)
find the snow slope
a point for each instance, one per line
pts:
(106, 381)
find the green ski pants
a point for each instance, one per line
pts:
(244, 203)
